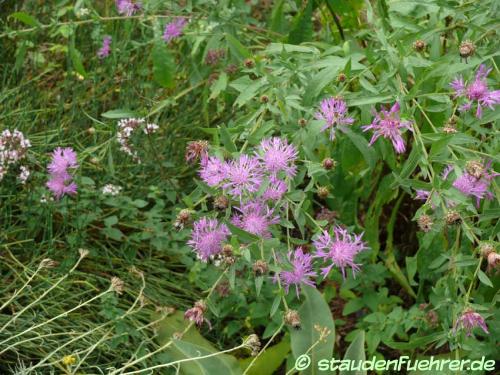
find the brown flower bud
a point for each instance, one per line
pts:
(249, 63)
(432, 318)
(117, 285)
(292, 318)
(328, 164)
(260, 267)
(264, 99)
(302, 122)
(475, 168)
(231, 69)
(196, 150)
(323, 192)
(486, 248)
(221, 202)
(419, 45)
(466, 49)
(452, 217)
(425, 223)
(182, 219)
(252, 342)
(341, 77)
(493, 260)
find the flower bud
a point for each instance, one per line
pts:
(341, 77)
(182, 219)
(249, 63)
(264, 99)
(260, 267)
(323, 192)
(221, 202)
(419, 45)
(425, 223)
(292, 318)
(302, 122)
(328, 164)
(91, 130)
(432, 318)
(466, 49)
(452, 217)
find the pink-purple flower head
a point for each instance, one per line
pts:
(61, 182)
(105, 50)
(255, 217)
(213, 171)
(207, 238)
(340, 250)
(388, 124)
(422, 195)
(468, 321)
(277, 155)
(174, 29)
(476, 92)
(475, 186)
(275, 190)
(127, 7)
(301, 271)
(333, 112)
(243, 176)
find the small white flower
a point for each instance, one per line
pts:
(111, 189)
(24, 175)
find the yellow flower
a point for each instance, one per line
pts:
(69, 360)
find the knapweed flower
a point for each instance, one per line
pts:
(207, 238)
(243, 176)
(468, 321)
(389, 125)
(196, 150)
(301, 272)
(334, 112)
(174, 29)
(61, 181)
(340, 250)
(275, 190)
(105, 50)
(196, 314)
(422, 195)
(255, 217)
(127, 7)
(277, 155)
(213, 171)
(477, 91)
(470, 185)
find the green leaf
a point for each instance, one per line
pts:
(484, 278)
(163, 66)
(226, 139)
(219, 86)
(242, 235)
(314, 312)
(356, 352)
(361, 144)
(237, 48)
(25, 18)
(302, 30)
(119, 113)
(269, 361)
(76, 59)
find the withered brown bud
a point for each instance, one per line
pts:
(292, 318)
(419, 45)
(264, 99)
(475, 168)
(196, 150)
(452, 217)
(231, 69)
(493, 260)
(221, 202)
(341, 77)
(249, 63)
(117, 285)
(48, 263)
(432, 318)
(182, 219)
(260, 267)
(252, 342)
(302, 122)
(328, 164)
(223, 288)
(323, 192)
(486, 248)
(466, 49)
(425, 223)
(213, 77)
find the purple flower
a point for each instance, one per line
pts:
(301, 271)
(275, 190)
(207, 237)
(277, 155)
(388, 125)
(243, 176)
(341, 250)
(468, 321)
(174, 29)
(255, 217)
(127, 7)
(60, 182)
(334, 112)
(477, 91)
(213, 171)
(196, 314)
(470, 185)
(105, 50)
(422, 195)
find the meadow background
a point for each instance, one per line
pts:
(99, 281)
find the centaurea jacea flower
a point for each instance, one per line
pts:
(301, 272)
(277, 155)
(105, 50)
(476, 185)
(388, 124)
(127, 7)
(61, 181)
(207, 238)
(340, 250)
(255, 217)
(174, 29)
(244, 175)
(468, 321)
(334, 112)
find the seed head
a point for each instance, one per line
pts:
(475, 168)
(117, 285)
(252, 342)
(48, 263)
(323, 192)
(292, 318)
(466, 49)
(486, 248)
(260, 268)
(452, 217)
(83, 252)
(425, 223)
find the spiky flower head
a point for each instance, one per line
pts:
(244, 176)
(469, 185)
(476, 92)
(255, 217)
(333, 111)
(340, 249)
(127, 7)
(301, 271)
(174, 29)
(105, 49)
(207, 238)
(277, 155)
(389, 125)
(213, 171)
(468, 321)
(275, 189)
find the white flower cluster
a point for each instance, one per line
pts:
(126, 128)
(111, 189)
(13, 148)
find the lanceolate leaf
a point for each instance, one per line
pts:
(163, 66)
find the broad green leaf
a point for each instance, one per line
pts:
(119, 113)
(163, 66)
(76, 59)
(226, 139)
(219, 86)
(25, 18)
(314, 314)
(302, 25)
(237, 48)
(361, 144)
(356, 352)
